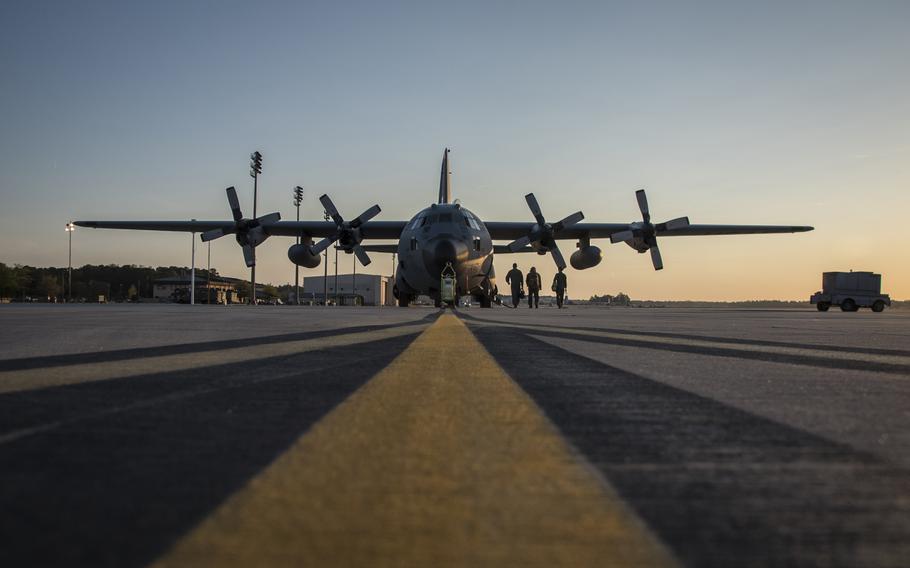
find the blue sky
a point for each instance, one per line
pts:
(791, 112)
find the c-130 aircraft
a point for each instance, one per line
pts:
(444, 236)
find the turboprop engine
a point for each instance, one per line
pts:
(586, 257)
(301, 255)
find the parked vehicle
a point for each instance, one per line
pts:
(851, 291)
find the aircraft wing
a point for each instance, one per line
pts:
(369, 230)
(508, 230)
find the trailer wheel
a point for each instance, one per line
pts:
(878, 306)
(822, 306)
(848, 305)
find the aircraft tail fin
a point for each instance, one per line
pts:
(445, 179)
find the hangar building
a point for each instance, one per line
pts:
(364, 289)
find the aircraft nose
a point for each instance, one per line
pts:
(442, 251)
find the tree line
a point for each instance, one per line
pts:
(114, 282)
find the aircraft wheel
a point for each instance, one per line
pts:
(848, 305)
(878, 306)
(437, 301)
(822, 306)
(403, 300)
(486, 302)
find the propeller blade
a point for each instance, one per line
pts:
(679, 223)
(323, 244)
(519, 244)
(234, 203)
(212, 235)
(330, 209)
(269, 219)
(248, 256)
(535, 208)
(557, 256)
(568, 221)
(622, 236)
(655, 258)
(361, 255)
(365, 216)
(643, 205)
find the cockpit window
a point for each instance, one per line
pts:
(416, 222)
(470, 220)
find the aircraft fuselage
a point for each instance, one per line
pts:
(441, 234)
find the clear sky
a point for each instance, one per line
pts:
(728, 112)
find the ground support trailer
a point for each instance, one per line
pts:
(851, 291)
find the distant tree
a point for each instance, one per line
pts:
(9, 285)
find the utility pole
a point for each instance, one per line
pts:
(325, 279)
(193, 270)
(69, 287)
(255, 170)
(298, 197)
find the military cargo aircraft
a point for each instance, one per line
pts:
(444, 237)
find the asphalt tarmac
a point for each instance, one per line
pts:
(134, 435)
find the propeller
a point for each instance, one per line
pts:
(249, 232)
(544, 233)
(347, 233)
(647, 231)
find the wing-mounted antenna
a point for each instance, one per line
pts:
(445, 179)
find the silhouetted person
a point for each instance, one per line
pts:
(560, 284)
(534, 283)
(516, 279)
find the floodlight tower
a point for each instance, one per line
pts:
(255, 170)
(70, 227)
(298, 198)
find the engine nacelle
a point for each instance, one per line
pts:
(638, 244)
(301, 256)
(586, 257)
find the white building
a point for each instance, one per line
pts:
(364, 289)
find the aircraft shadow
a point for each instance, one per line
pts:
(128, 466)
(721, 486)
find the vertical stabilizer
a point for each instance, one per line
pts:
(445, 179)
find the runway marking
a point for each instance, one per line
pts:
(441, 459)
(713, 344)
(30, 379)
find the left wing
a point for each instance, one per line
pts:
(369, 230)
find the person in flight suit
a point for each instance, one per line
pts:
(559, 286)
(516, 279)
(534, 283)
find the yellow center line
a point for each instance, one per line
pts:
(756, 348)
(28, 379)
(440, 459)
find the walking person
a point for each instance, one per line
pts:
(534, 284)
(560, 285)
(516, 279)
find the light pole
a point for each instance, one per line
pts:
(255, 170)
(193, 269)
(69, 286)
(298, 197)
(325, 279)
